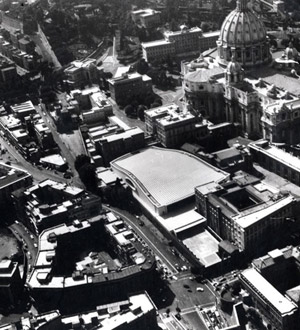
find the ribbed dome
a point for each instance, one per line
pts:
(242, 28)
(244, 36)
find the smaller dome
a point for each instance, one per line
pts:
(291, 52)
(234, 67)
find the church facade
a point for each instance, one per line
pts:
(228, 87)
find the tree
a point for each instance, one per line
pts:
(129, 110)
(142, 66)
(87, 174)
(141, 112)
(204, 26)
(80, 161)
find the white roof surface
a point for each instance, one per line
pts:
(272, 295)
(166, 175)
(249, 219)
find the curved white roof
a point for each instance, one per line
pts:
(167, 176)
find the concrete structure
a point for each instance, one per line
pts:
(148, 18)
(245, 211)
(178, 43)
(173, 127)
(276, 160)
(273, 283)
(11, 178)
(23, 110)
(115, 145)
(55, 161)
(10, 283)
(50, 203)
(96, 277)
(44, 135)
(170, 179)
(129, 85)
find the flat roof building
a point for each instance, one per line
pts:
(244, 211)
(148, 18)
(178, 43)
(129, 85)
(23, 110)
(273, 283)
(173, 126)
(59, 275)
(10, 283)
(50, 203)
(276, 160)
(12, 178)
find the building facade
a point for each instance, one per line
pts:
(129, 85)
(245, 211)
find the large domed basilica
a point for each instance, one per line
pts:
(241, 83)
(243, 36)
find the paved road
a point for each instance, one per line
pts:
(65, 151)
(18, 161)
(27, 239)
(156, 246)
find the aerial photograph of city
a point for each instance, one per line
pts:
(150, 164)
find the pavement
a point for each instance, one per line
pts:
(171, 95)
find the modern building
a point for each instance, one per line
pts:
(173, 127)
(277, 160)
(55, 161)
(23, 110)
(10, 283)
(109, 141)
(129, 85)
(273, 283)
(50, 203)
(148, 18)
(76, 260)
(176, 43)
(245, 211)
(11, 179)
(170, 180)
(44, 135)
(115, 145)
(166, 192)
